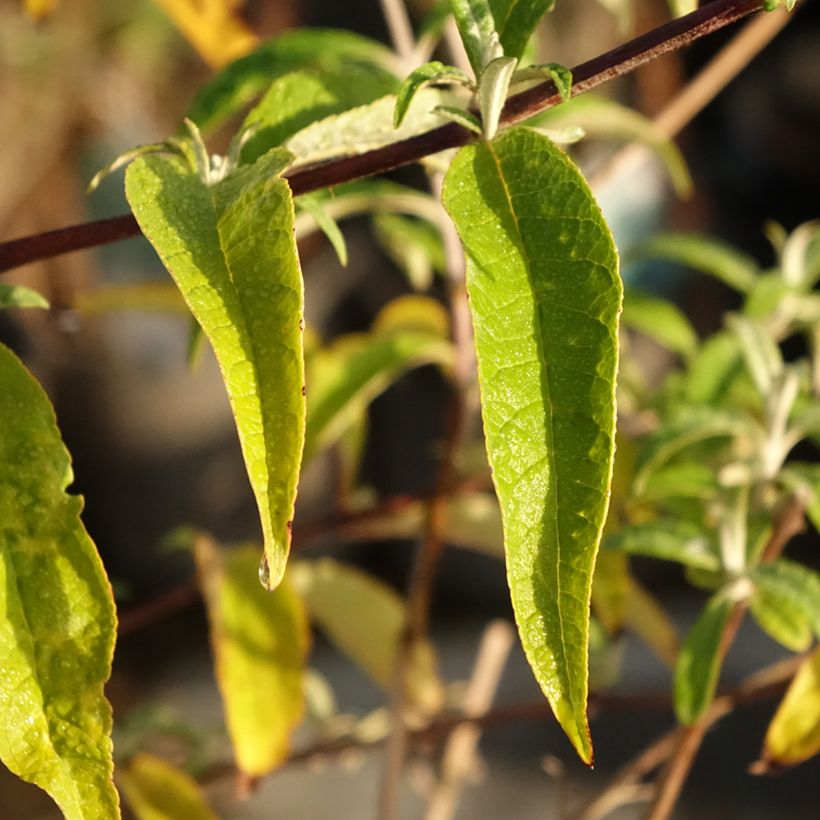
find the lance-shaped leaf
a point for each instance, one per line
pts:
(698, 667)
(794, 733)
(57, 619)
(156, 790)
(515, 21)
(673, 540)
(19, 296)
(249, 76)
(661, 321)
(545, 295)
(260, 642)
(231, 251)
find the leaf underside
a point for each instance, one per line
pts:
(57, 618)
(230, 248)
(542, 275)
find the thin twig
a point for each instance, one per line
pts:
(588, 75)
(788, 523)
(701, 90)
(401, 31)
(459, 753)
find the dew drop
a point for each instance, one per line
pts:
(264, 572)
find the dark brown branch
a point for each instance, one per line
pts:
(588, 75)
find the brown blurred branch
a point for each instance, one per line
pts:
(621, 60)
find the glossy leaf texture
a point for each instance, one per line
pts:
(698, 668)
(365, 618)
(57, 618)
(794, 733)
(545, 295)
(260, 642)
(157, 790)
(249, 76)
(230, 249)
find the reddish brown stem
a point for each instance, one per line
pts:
(588, 75)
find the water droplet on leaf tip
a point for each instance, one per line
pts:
(264, 572)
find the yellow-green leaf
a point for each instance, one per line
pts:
(365, 619)
(57, 618)
(794, 733)
(230, 248)
(260, 642)
(156, 790)
(542, 275)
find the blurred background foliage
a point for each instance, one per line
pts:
(154, 445)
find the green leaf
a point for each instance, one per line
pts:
(300, 98)
(672, 540)
(515, 21)
(57, 618)
(365, 619)
(414, 245)
(649, 621)
(604, 118)
(560, 75)
(716, 373)
(249, 76)
(542, 274)
(792, 586)
(466, 119)
(689, 426)
(313, 206)
(794, 733)
(779, 618)
(805, 479)
(761, 354)
(365, 128)
(684, 480)
(703, 254)
(260, 641)
(492, 92)
(346, 376)
(231, 251)
(432, 72)
(19, 296)
(660, 320)
(156, 790)
(698, 667)
(474, 20)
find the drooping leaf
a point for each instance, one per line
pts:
(704, 254)
(660, 320)
(346, 376)
(19, 296)
(365, 619)
(792, 587)
(794, 733)
(260, 642)
(672, 540)
(231, 251)
(57, 618)
(600, 117)
(433, 72)
(474, 20)
(249, 76)
(214, 28)
(515, 21)
(299, 98)
(559, 74)
(460, 116)
(157, 790)
(542, 274)
(698, 667)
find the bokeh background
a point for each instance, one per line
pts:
(153, 441)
